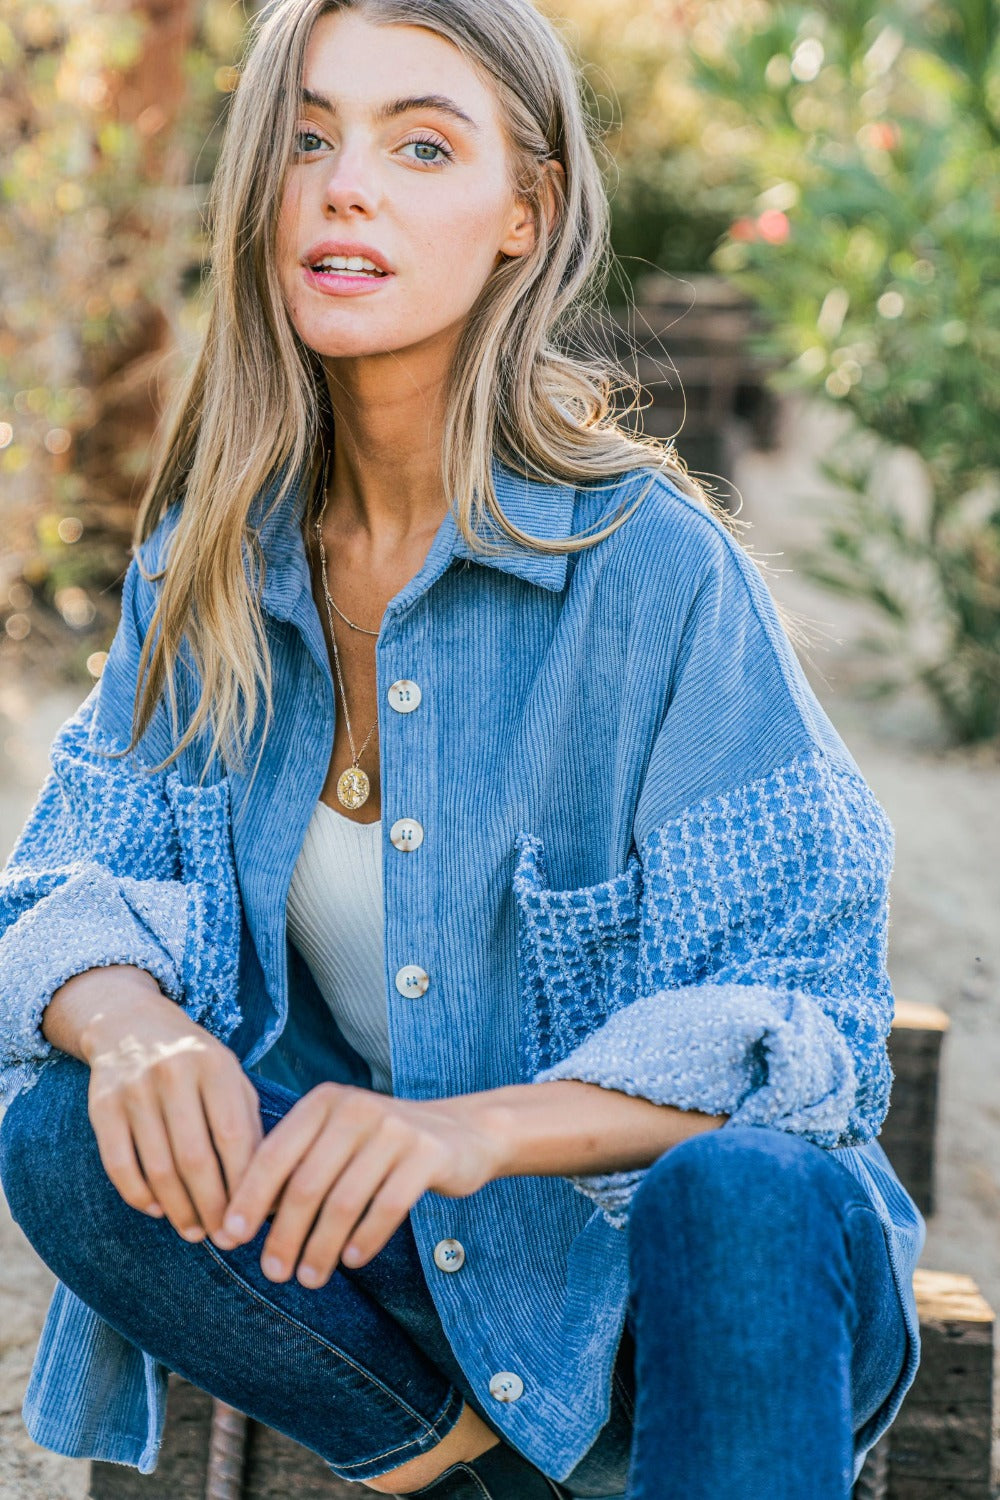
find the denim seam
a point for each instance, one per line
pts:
(429, 1429)
(417, 1442)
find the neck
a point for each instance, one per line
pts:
(388, 413)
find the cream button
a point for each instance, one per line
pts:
(406, 833)
(506, 1386)
(449, 1255)
(404, 696)
(412, 980)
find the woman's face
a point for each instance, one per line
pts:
(384, 167)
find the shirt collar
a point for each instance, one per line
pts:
(543, 510)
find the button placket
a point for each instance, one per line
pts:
(406, 834)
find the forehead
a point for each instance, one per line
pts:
(360, 66)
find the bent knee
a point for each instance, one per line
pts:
(44, 1140)
(719, 1174)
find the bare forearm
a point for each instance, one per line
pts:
(78, 1007)
(569, 1127)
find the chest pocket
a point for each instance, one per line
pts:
(202, 822)
(577, 955)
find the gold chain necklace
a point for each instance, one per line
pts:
(346, 621)
(353, 785)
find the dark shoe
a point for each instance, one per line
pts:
(498, 1474)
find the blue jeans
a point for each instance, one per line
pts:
(763, 1325)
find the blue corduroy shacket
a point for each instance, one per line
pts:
(649, 862)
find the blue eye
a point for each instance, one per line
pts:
(444, 152)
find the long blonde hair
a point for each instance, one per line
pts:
(526, 384)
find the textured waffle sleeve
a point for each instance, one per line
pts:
(759, 986)
(115, 865)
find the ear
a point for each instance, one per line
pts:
(521, 231)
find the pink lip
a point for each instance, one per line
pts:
(344, 247)
(345, 283)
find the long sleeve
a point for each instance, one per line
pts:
(115, 865)
(750, 931)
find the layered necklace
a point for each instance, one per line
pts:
(353, 785)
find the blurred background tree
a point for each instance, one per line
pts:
(839, 162)
(871, 242)
(676, 169)
(107, 138)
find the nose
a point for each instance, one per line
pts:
(350, 186)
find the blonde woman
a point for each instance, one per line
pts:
(444, 992)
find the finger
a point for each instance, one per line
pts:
(390, 1206)
(342, 1208)
(156, 1158)
(118, 1158)
(271, 1165)
(194, 1155)
(234, 1125)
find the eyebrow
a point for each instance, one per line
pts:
(394, 107)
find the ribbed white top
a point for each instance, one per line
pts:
(335, 921)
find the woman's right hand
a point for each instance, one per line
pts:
(175, 1116)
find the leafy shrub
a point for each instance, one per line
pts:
(872, 245)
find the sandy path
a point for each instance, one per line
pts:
(945, 937)
(27, 1472)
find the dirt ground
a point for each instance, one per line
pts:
(944, 944)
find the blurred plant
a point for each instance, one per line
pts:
(104, 111)
(676, 171)
(871, 242)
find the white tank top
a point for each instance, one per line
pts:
(335, 920)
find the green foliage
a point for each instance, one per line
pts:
(674, 170)
(102, 179)
(840, 160)
(872, 245)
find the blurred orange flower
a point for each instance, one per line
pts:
(773, 226)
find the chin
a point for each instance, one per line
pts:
(359, 342)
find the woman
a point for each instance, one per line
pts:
(450, 947)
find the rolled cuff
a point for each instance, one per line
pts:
(760, 1055)
(94, 919)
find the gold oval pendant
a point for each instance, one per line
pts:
(353, 787)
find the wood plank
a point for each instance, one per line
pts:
(915, 1015)
(946, 1297)
(278, 1468)
(908, 1132)
(943, 1444)
(911, 1488)
(941, 1440)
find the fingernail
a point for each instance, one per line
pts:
(272, 1267)
(155, 1212)
(351, 1255)
(234, 1224)
(193, 1235)
(223, 1241)
(309, 1275)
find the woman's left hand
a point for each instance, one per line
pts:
(342, 1169)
